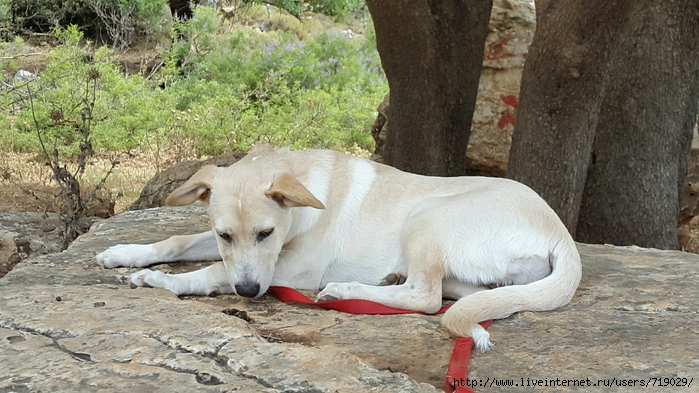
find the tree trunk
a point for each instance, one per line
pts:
(560, 96)
(432, 53)
(181, 9)
(640, 151)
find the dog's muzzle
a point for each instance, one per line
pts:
(247, 289)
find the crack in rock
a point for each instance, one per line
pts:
(203, 378)
(79, 356)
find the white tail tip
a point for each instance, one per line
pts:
(481, 339)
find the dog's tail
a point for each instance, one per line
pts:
(552, 291)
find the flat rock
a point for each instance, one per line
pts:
(29, 234)
(68, 325)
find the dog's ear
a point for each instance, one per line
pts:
(289, 192)
(197, 188)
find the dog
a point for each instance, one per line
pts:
(356, 229)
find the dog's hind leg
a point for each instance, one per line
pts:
(423, 255)
(413, 295)
(209, 281)
(422, 290)
(451, 288)
(199, 247)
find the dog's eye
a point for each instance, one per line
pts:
(262, 235)
(225, 236)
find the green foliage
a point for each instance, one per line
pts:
(124, 20)
(138, 17)
(222, 92)
(318, 92)
(39, 15)
(5, 19)
(43, 15)
(336, 8)
(52, 104)
(293, 7)
(150, 11)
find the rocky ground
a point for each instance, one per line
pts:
(68, 325)
(30, 234)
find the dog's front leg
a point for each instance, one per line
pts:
(199, 247)
(209, 281)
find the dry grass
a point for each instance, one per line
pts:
(26, 185)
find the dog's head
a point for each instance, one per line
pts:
(250, 208)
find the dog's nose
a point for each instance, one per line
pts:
(249, 289)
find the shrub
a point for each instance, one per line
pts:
(122, 20)
(336, 8)
(57, 111)
(44, 15)
(317, 92)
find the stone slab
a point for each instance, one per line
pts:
(68, 325)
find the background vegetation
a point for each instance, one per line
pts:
(220, 87)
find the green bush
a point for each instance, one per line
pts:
(127, 17)
(43, 15)
(319, 92)
(51, 104)
(336, 8)
(223, 91)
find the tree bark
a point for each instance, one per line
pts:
(432, 53)
(641, 147)
(560, 96)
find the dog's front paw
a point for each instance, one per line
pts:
(147, 278)
(127, 255)
(336, 290)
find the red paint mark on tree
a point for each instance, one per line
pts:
(505, 120)
(501, 43)
(497, 51)
(500, 56)
(510, 100)
(509, 117)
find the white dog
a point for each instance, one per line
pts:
(320, 219)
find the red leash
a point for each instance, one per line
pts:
(458, 363)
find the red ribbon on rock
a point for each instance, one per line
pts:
(457, 372)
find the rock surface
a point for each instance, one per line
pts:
(68, 325)
(30, 234)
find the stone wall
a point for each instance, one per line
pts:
(512, 25)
